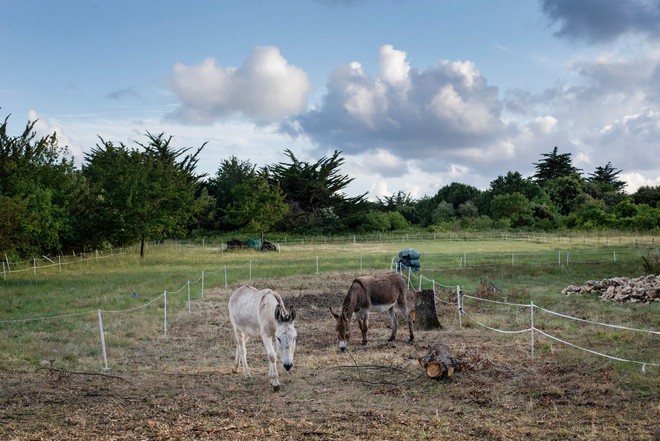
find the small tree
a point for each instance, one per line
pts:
(256, 205)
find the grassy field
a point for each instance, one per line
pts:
(175, 382)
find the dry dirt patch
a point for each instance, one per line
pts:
(182, 387)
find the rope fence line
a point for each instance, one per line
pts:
(532, 328)
(411, 274)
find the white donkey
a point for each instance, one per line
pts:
(262, 313)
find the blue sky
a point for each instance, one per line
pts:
(416, 94)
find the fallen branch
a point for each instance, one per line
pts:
(68, 372)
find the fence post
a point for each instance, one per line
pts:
(614, 253)
(188, 283)
(360, 261)
(34, 265)
(225, 276)
(531, 318)
(165, 312)
(559, 258)
(317, 264)
(202, 285)
(59, 261)
(460, 306)
(105, 355)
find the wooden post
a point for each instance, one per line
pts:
(426, 316)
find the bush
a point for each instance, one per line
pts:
(651, 263)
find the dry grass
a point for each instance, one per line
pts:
(181, 386)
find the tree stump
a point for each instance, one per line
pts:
(439, 363)
(426, 317)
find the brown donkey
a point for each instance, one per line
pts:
(372, 294)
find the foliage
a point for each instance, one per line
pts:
(309, 188)
(651, 263)
(231, 174)
(606, 178)
(140, 195)
(256, 206)
(554, 165)
(37, 185)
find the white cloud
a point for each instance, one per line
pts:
(43, 127)
(265, 88)
(409, 112)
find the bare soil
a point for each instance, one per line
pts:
(181, 386)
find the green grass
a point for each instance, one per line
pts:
(522, 271)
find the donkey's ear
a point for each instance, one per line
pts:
(292, 314)
(336, 316)
(278, 313)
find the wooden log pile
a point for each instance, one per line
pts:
(439, 363)
(645, 289)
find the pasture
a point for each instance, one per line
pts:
(174, 380)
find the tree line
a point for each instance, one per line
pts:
(123, 195)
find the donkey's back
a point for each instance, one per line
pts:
(252, 310)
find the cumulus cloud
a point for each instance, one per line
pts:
(43, 127)
(266, 88)
(441, 110)
(600, 21)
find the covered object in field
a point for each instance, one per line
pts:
(408, 259)
(254, 243)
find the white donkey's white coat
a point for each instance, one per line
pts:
(255, 313)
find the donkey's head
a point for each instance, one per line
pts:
(285, 335)
(342, 327)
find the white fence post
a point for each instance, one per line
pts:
(105, 355)
(225, 276)
(59, 262)
(165, 312)
(188, 296)
(460, 306)
(317, 264)
(34, 265)
(531, 318)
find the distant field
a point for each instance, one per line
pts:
(169, 374)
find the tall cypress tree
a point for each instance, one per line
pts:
(554, 165)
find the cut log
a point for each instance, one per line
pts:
(438, 362)
(426, 317)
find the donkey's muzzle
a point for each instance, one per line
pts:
(288, 366)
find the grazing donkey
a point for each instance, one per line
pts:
(376, 294)
(255, 313)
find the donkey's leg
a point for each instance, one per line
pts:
(272, 362)
(241, 354)
(405, 310)
(395, 324)
(363, 321)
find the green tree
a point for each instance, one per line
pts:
(231, 173)
(256, 206)
(37, 182)
(398, 201)
(607, 179)
(141, 195)
(564, 192)
(553, 166)
(309, 188)
(457, 194)
(649, 195)
(515, 207)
